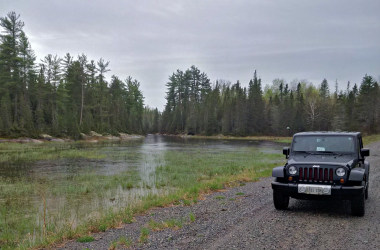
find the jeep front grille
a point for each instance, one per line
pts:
(316, 174)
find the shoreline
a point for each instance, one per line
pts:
(84, 138)
(95, 137)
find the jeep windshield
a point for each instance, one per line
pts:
(323, 144)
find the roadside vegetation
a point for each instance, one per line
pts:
(180, 179)
(123, 242)
(370, 139)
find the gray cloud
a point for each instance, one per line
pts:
(227, 39)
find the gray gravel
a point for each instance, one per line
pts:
(246, 218)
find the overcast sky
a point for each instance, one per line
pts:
(149, 40)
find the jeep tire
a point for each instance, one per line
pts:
(281, 201)
(358, 205)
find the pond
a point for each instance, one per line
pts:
(51, 195)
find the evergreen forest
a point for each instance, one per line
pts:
(61, 96)
(71, 95)
(195, 106)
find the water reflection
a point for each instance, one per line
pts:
(152, 155)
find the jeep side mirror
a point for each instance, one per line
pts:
(364, 152)
(286, 151)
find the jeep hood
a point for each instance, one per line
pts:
(342, 160)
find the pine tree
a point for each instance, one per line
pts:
(16, 60)
(299, 119)
(325, 107)
(367, 104)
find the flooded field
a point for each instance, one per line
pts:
(53, 197)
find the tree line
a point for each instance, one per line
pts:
(69, 95)
(195, 106)
(61, 96)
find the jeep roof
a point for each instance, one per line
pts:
(328, 133)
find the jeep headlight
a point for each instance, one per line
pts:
(340, 172)
(292, 170)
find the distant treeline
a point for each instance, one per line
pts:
(195, 106)
(61, 96)
(67, 96)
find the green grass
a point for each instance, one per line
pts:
(192, 217)
(144, 234)
(123, 242)
(240, 193)
(195, 172)
(86, 238)
(370, 139)
(19, 215)
(103, 227)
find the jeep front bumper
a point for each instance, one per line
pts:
(337, 191)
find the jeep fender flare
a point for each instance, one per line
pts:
(278, 172)
(357, 174)
(367, 168)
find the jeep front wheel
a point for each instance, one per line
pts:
(358, 205)
(280, 200)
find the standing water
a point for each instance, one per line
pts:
(53, 195)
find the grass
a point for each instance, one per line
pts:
(370, 139)
(240, 193)
(192, 217)
(144, 234)
(123, 242)
(25, 223)
(194, 172)
(85, 238)
(103, 227)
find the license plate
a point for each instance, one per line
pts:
(314, 189)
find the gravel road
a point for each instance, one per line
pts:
(244, 218)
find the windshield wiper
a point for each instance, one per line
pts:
(330, 153)
(318, 153)
(327, 152)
